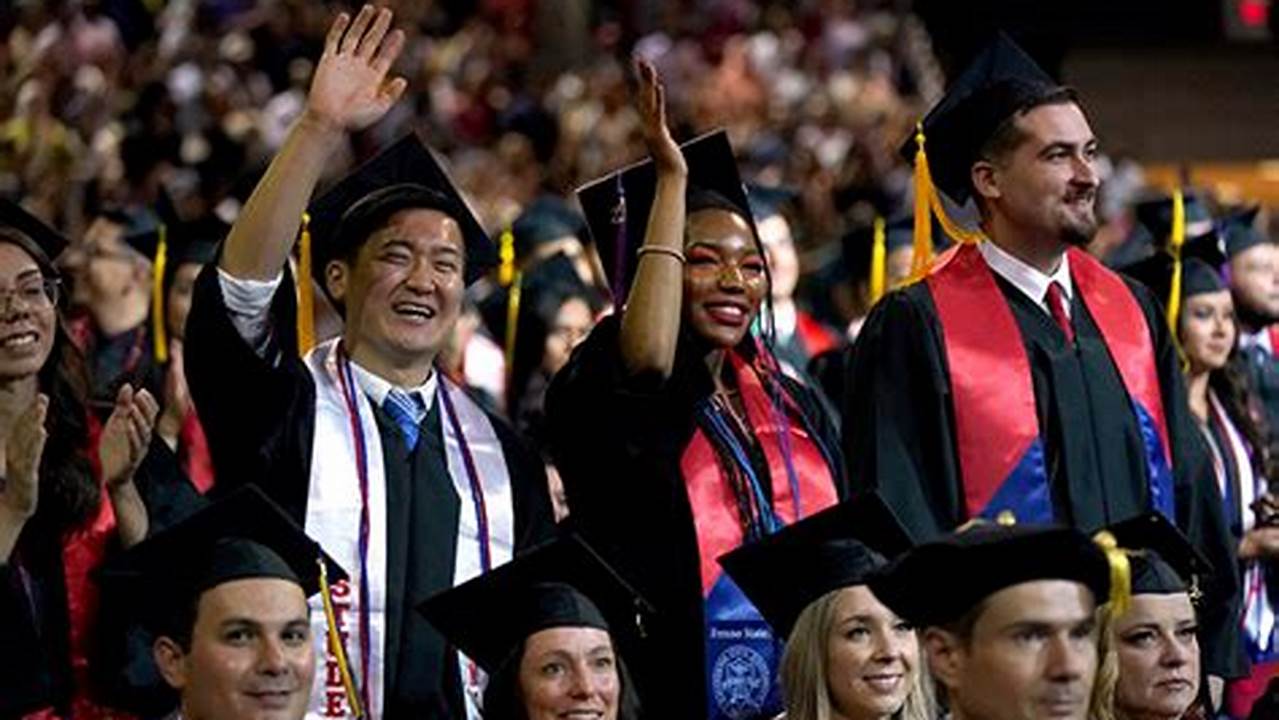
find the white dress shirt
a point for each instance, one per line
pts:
(1029, 280)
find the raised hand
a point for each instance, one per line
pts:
(127, 435)
(351, 90)
(20, 486)
(177, 397)
(651, 104)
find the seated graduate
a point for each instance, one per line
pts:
(1006, 617)
(550, 628)
(68, 496)
(847, 655)
(387, 462)
(1149, 650)
(224, 594)
(190, 246)
(677, 436)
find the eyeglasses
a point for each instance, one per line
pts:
(39, 294)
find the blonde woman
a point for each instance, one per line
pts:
(1149, 654)
(847, 656)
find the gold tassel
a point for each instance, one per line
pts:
(512, 322)
(158, 334)
(506, 254)
(335, 643)
(878, 261)
(1120, 572)
(1175, 241)
(306, 292)
(928, 204)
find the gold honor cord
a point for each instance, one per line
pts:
(929, 204)
(878, 261)
(335, 642)
(161, 343)
(306, 292)
(1120, 572)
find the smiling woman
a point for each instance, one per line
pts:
(60, 515)
(676, 434)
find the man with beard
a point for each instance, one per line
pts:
(1254, 284)
(1020, 377)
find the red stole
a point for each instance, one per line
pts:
(991, 386)
(815, 337)
(715, 514)
(194, 449)
(1273, 333)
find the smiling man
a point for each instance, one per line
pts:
(1005, 615)
(1020, 376)
(387, 463)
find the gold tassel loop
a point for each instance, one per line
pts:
(1120, 572)
(306, 291)
(158, 329)
(878, 261)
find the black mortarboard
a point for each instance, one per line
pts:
(142, 231)
(858, 243)
(405, 175)
(196, 241)
(841, 546)
(1155, 272)
(563, 583)
(1163, 561)
(939, 582)
(617, 205)
(244, 535)
(554, 278)
(1001, 81)
(768, 200)
(1240, 231)
(545, 220)
(1155, 217)
(46, 243)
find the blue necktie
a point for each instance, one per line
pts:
(406, 410)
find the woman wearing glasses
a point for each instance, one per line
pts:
(67, 492)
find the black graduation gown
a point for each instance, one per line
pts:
(899, 434)
(35, 665)
(125, 358)
(617, 445)
(1262, 370)
(260, 421)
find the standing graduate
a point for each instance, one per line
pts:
(1254, 284)
(676, 433)
(1020, 376)
(386, 462)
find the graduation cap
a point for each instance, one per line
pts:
(242, 536)
(617, 205)
(545, 220)
(405, 175)
(768, 200)
(562, 583)
(842, 546)
(1187, 251)
(939, 582)
(1162, 559)
(40, 241)
(866, 249)
(1000, 82)
(1240, 231)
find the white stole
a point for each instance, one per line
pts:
(333, 519)
(1258, 615)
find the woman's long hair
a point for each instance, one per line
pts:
(69, 492)
(804, 667)
(503, 699)
(1231, 385)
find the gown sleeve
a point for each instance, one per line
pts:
(25, 682)
(897, 416)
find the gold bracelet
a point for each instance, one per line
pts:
(659, 250)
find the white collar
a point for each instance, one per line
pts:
(1260, 339)
(785, 320)
(377, 387)
(1029, 280)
